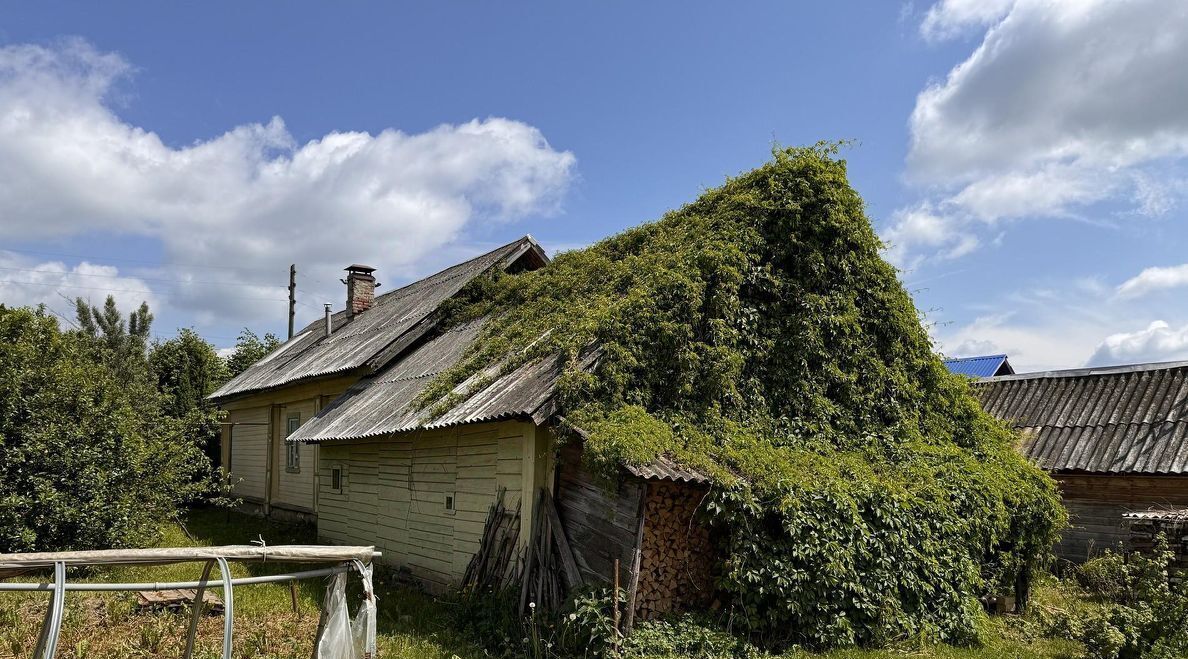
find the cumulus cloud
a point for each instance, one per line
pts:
(253, 196)
(950, 18)
(915, 229)
(29, 282)
(1158, 342)
(1154, 279)
(1062, 105)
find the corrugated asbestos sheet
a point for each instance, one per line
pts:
(394, 318)
(664, 468)
(980, 367)
(1128, 419)
(383, 403)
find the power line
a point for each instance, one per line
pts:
(158, 279)
(124, 290)
(128, 260)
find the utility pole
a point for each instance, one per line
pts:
(292, 296)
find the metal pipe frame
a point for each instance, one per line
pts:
(51, 627)
(176, 585)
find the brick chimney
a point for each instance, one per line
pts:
(360, 285)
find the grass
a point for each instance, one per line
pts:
(410, 623)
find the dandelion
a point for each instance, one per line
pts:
(532, 605)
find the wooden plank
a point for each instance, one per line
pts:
(569, 569)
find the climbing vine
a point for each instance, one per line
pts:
(756, 334)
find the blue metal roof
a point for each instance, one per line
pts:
(980, 367)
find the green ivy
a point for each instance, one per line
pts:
(757, 335)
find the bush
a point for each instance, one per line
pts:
(686, 636)
(1145, 618)
(87, 458)
(1105, 576)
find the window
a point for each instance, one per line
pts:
(336, 479)
(293, 451)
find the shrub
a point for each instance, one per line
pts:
(87, 458)
(1105, 576)
(1146, 617)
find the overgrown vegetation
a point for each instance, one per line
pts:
(102, 435)
(1142, 613)
(757, 335)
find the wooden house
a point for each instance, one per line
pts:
(1114, 438)
(326, 428)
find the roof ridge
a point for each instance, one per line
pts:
(455, 266)
(1087, 371)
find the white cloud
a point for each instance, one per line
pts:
(1154, 279)
(1158, 342)
(252, 197)
(1056, 110)
(950, 18)
(921, 227)
(26, 282)
(1032, 338)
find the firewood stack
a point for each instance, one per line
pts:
(676, 555)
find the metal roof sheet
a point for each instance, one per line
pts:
(368, 340)
(1127, 419)
(980, 367)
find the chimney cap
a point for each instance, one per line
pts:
(364, 269)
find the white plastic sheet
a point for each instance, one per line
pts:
(335, 641)
(341, 637)
(363, 628)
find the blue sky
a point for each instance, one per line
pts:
(1024, 160)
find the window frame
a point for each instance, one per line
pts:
(292, 450)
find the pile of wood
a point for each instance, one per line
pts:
(549, 570)
(676, 552)
(493, 565)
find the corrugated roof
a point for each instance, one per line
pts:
(1179, 515)
(1124, 419)
(369, 340)
(980, 367)
(383, 403)
(665, 468)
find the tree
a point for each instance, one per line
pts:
(187, 370)
(249, 349)
(87, 457)
(124, 345)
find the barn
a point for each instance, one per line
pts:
(1115, 439)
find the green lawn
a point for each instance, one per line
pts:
(410, 623)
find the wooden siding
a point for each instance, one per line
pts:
(394, 491)
(601, 520)
(248, 462)
(1096, 504)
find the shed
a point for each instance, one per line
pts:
(1115, 438)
